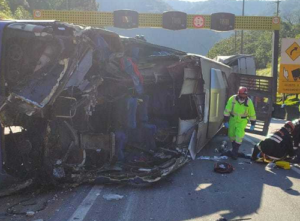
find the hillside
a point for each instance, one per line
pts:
(150, 6)
(194, 41)
(253, 7)
(288, 8)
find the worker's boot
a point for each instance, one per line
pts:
(233, 154)
(255, 153)
(235, 150)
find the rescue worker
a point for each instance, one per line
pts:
(296, 140)
(238, 111)
(276, 146)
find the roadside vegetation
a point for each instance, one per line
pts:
(23, 9)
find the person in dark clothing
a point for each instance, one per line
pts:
(296, 139)
(276, 146)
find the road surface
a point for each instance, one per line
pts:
(193, 193)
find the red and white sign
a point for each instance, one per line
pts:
(276, 20)
(37, 14)
(199, 21)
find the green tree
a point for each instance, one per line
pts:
(14, 4)
(83, 5)
(257, 43)
(5, 12)
(22, 13)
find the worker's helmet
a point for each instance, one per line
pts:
(290, 125)
(243, 92)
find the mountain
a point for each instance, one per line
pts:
(194, 41)
(252, 7)
(149, 6)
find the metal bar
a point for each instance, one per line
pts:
(275, 54)
(242, 34)
(151, 20)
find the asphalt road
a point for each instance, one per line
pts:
(193, 193)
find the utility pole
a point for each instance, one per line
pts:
(275, 63)
(242, 33)
(277, 11)
(234, 42)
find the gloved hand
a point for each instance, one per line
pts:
(226, 124)
(252, 127)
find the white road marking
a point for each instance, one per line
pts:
(86, 204)
(295, 169)
(129, 208)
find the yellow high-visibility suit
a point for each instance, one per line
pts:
(239, 114)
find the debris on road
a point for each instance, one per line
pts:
(223, 167)
(112, 197)
(28, 207)
(223, 148)
(30, 213)
(214, 158)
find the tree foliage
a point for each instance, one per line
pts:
(22, 9)
(22, 13)
(5, 12)
(257, 43)
(82, 5)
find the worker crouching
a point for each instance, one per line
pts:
(296, 140)
(276, 146)
(238, 111)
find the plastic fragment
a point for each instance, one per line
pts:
(112, 197)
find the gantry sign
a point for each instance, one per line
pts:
(172, 20)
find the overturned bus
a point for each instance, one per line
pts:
(82, 104)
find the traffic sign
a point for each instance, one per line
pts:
(276, 20)
(174, 20)
(199, 21)
(293, 51)
(290, 51)
(37, 14)
(126, 19)
(222, 21)
(289, 77)
(150, 20)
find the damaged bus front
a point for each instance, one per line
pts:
(81, 104)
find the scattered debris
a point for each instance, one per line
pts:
(30, 213)
(28, 207)
(15, 188)
(270, 166)
(112, 197)
(223, 148)
(223, 167)
(214, 158)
